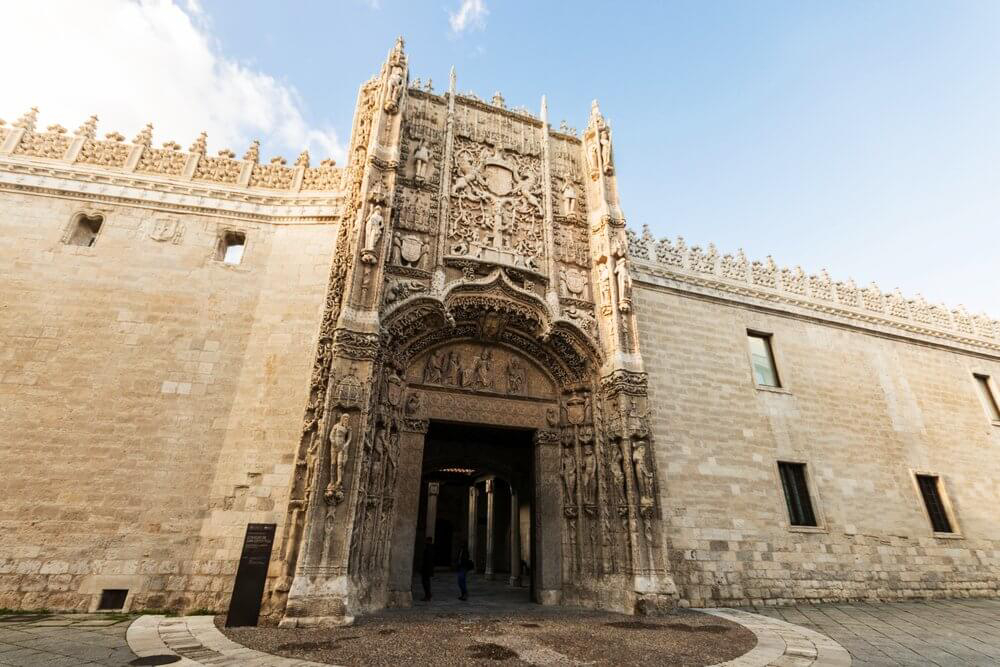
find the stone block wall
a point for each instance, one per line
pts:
(149, 397)
(862, 409)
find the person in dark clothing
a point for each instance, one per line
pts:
(427, 568)
(463, 566)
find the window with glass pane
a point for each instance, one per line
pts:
(762, 360)
(988, 398)
(793, 481)
(931, 491)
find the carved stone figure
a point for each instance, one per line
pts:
(643, 475)
(618, 475)
(569, 199)
(515, 376)
(413, 404)
(624, 281)
(394, 89)
(569, 476)
(434, 368)
(480, 374)
(421, 156)
(374, 225)
(588, 471)
(604, 276)
(453, 374)
(340, 440)
(605, 140)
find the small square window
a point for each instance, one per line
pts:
(793, 481)
(989, 400)
(112, 599)
(84, 230)
(765, 374)
(231, 247)
(930, 489)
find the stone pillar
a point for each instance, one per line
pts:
(407, 503)
(432, 508)
(547, 560)
(515, 539)
(473, 521)
(490, 538)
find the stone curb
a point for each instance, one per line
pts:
(197, 642)
(782, 644)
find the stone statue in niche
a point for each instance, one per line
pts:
(394, 89)
(604, 137)
(643, 475)
(589, 474)
(408, 250)
(569, 199)
(569, 476)
(374, 225)
(379, 447)
(340, 440)
(624, 283)
(515, 376)
(421, 156)
(573, 283)
(618, 475)
(604, 276)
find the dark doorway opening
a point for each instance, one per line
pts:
(476, 491)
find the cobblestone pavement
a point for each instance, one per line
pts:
(937, 632)
(64, 640)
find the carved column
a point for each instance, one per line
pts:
(432, 505)
(490, 528)
(546, 559)
(341, 567)
(407, 503)
(473, 522)
(515, 539)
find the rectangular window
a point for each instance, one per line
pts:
(762, 359)
(112, 599)
(231, 246)
(793, 480)
(988, 398)
(930, 489)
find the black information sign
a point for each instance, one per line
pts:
(244, 606)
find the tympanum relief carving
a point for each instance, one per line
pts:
(481, 368)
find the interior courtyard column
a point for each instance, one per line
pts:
(515, 539)
(490, 527)
(407, 505)
(432, 506)
(473, 522)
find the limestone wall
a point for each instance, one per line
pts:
(863, 405)
(150, 396)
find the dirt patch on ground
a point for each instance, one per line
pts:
(421, 636)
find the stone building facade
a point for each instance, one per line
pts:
(195, 343)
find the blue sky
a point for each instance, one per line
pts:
(863, 137)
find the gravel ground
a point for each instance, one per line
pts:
(425, 637)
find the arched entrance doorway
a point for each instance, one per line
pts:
(476, 492)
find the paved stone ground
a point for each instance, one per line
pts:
(64, 640)
(937, 632)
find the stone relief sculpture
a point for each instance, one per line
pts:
(589, 473)
(573, 283)
(569, 476)
(408, 250)
(515, 376)
(643, 474)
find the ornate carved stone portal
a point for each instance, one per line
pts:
(481, 275)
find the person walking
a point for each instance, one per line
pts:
(463, 566)
(427, 568)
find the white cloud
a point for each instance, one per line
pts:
(151, 61)
(470, 15)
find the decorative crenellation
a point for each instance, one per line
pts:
(83, 146)
(738, 273)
